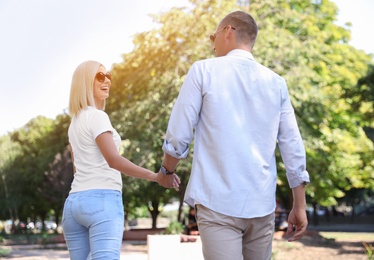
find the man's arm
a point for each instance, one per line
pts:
(297, 220)
(170, 163)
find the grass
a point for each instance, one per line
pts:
(326, 244)
(42, 238)
(367, 239)
(4, 252)
(369, 250)
(348, 236)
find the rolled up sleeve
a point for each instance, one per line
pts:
(184, 116)
(291, 145)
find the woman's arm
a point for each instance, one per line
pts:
(120, 163)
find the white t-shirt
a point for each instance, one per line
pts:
(92, 170)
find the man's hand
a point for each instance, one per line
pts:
(297, 223)
(168, 181)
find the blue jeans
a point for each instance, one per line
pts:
(93, 223)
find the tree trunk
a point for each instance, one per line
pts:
(57, 216)
(154, 213)
(315, 215)
(184, 177)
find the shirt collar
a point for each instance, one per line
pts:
(241, 53)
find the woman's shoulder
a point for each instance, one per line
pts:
(92, 114)
(93, 111)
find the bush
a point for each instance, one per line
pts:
(174, 227)
(4, 252)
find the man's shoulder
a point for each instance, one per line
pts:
(215, 62)
(208, 60)
(269, 70)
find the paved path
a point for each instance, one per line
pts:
(131, 250)
(137, 250)
(343, 227)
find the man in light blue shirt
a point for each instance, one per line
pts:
(237, 111)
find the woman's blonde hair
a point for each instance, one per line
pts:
(81, 91)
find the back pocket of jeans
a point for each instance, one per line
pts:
(91, 204)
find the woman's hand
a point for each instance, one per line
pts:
(168, 181)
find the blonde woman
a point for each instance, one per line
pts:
(93, 216)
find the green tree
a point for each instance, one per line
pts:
(304, 45)
(361, 100)
(59, 174)
(147, 82)
(28, 167)
(330, 84)
(297, 39)
(32, 171)
(8, 152)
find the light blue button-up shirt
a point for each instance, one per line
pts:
(236, 110)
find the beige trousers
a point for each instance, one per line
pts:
(230, 238)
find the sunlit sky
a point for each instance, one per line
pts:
(43, 41)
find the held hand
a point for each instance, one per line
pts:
(168, 181)
(297, 223)
(176, 182)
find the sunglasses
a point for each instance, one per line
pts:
(101, 76)
(213, 36)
